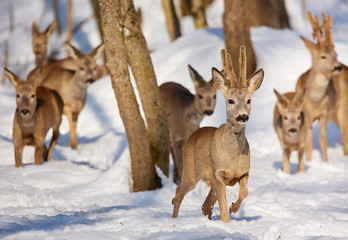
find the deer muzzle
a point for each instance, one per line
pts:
(24, 112)
(242, 118)
(208, 112)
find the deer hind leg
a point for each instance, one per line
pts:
(54, 141)
(72, 117)
(323, 137)
(286, 161)
(177, 150)
(208, 205)
(243, 193)
(309, 144)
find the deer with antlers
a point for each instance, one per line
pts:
(185, 111)
(38, 110)
(320, 97)
(221, 156)
(288, 122)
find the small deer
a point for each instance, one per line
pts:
(320, 96)
(38, 110)
(221, 156)
(40, 41)
(72, 85)
(185, 111)
(288, 122)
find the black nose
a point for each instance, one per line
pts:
(208, 112)
(337, 69)
(90, 80)
(242, 118)
(292, 130)
(24, 112)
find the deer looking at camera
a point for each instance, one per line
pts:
(38, 110)
(320, 97)
(185, 111)
(221, 156)
(288, 122)
(72, 85)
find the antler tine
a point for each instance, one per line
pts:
(242, 67)
(226, 60)
(314, 23)
(327, 25)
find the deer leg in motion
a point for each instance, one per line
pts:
(177, 151)
(286, 161)
(243, 193)
(208, 205)
(322, 137)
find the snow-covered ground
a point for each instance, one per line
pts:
(84, 193)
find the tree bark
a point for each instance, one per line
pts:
(143, 170)
(270, 13)
(237, 33)
(144, 74)
(69, 21)
(173, 24)
(198, 14)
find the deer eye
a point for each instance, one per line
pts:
(323, 57)
(82, 68)
(17, 95)
(249, 101)
(285, 117)
(230, 101)
(214, 97)
(32, 96)
(200, 96)
(299, 117)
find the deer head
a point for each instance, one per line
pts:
(205, 98)
(324, 57)
(237, 92)
(25, 93)
(290, 109)
(86, 63)
(40, 40)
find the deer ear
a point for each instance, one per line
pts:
(255, 80)
(219, 80)
(195, 77)
(35, 29)
(311, 46)
(282, 101)
(13, 78)
(97, 52)
(50, 29)
(34, 78)
(73, 52)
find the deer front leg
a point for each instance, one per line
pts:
(72, 118)
(208, 205)
(309, 143)
(286, 161)
(221, 196)
(323, 137)
(301, 167)
(54, 141)
(40, 152)
(18, 150)
(243, 193)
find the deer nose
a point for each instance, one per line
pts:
(293, 130)
(208, 112)
(24, 112)
(337, 69)
(242, 118)
(90, 80)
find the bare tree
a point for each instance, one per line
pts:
(172, 20)
(237, 32)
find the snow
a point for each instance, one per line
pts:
(84, 193)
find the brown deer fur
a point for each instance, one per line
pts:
(221, 156)
(288, 122)
(38, 110)
(185, 111)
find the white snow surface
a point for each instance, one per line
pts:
(85, 193)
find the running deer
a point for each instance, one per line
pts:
(320, 97)
(288, 122)
(185, 111)
(72, 85)
(38, 110)
(40, 41)
(221, 156)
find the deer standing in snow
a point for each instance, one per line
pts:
(72, 85)
(221, 156)
(185, 111)
(38, 110)
(288, 122)
(320, 96)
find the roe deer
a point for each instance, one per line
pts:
(288, 122)
(221, 156)
(320, 96)
(39, 42)
(72, 85)
(38, 110)
(185, 111)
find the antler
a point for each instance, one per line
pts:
(327, 25)
(318, 29)
(226, 60)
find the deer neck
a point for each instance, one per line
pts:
(234, 138)
(27, 124)
(192, 114)
(317, 86)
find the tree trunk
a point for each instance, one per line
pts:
(173, 24)
(69, 21)
(96, 10)
(198, 14)
(143, 170)
(270, 13)
(144, 74)
(237, 32)
(56, 16)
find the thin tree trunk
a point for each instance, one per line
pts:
(56, 16)
(143, 170)
(144, 74)
(69, 21)
(96, 9)
(198, 14)
(237, 32)
(173, 24)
